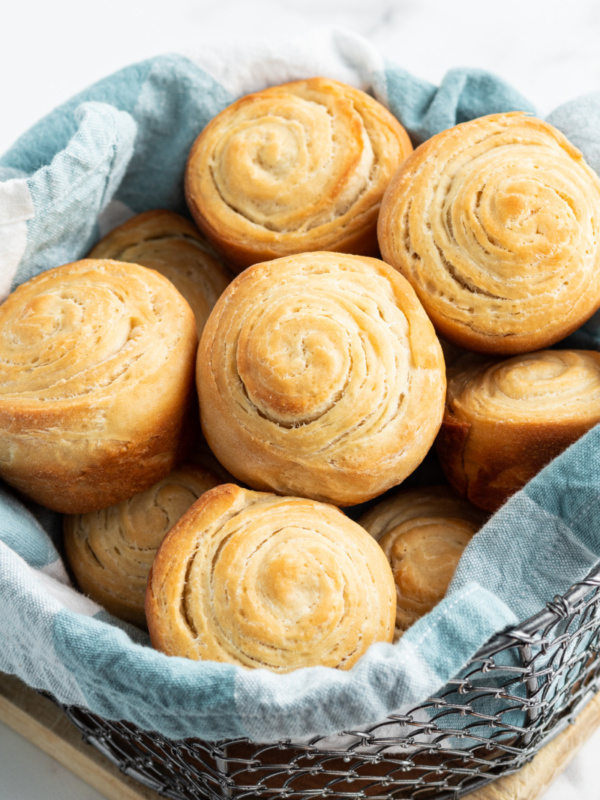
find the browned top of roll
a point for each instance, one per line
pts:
(169, 244)
(495, 224)
(111, 551)
(297, 167)
(90, 330)
(542, 387)
(264, 581)
(505, 420)
(95, 368)
(320, 375)
(423, 533)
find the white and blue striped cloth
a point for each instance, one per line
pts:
(119, 148)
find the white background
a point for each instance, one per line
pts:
(548, 49)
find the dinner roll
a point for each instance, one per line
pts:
(96, 373)
(320, 375)
(505, 420)
(495, 224)
(423, 533)
(297, 167)
(111, 551)
(258, 580)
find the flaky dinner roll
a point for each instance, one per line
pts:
(264, 581)
(96, 373)
(423, 533)
(111, 551)
(505, 420)
(297, 167)
(171, 245)
(495, 224)
(320, 375)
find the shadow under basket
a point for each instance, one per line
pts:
(518, 692)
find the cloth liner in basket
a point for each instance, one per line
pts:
(119, 148)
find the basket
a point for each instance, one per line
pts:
(519, 691)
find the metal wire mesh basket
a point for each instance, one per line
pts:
(518, 692)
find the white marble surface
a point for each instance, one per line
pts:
(549, 49)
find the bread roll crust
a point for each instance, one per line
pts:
(423, 533)
(111, 551)
(169, 244)
(297, 167)
(259, 580)
(96, 373)
(505, 420)
(320, 375)
(494, 222)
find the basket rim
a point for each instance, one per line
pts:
(557, 608)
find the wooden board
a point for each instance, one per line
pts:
(47, 727)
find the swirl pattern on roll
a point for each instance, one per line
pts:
(169, 244)
(96, 368)
(297, 167)
(264, 581)
(111, 551)
(495, 224)
(320, 375)
(423, 533)
(505, 420)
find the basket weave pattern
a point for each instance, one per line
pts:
(519, 691)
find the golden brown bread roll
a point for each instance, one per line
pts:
(264, 581)
(96, 372)
(320, 375)
(111, 551)
(423, 533)
(297, 167)
(171, 245)
(505, 420)
(495, 224)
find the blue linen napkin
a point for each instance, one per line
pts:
(119, 148)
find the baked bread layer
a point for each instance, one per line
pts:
(320, 375)
(423, 533)
(297, 167)
(495, 225)
(169, 244)
(96, 374)
(505, 420)
(111, 551)
(264, 581)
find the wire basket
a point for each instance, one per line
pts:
(517, 693)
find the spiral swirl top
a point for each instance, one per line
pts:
(169, 244)
(265, 581)
(505, 420)
(423, 533)
(535, 387)
(495, 224)
(297, 167)
(111, 551)
(95, 367)
(320, 375)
